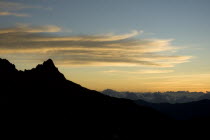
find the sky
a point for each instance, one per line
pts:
(125, 45)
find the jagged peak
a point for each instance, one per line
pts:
(6, 65)
(49, 68)
(49, 63)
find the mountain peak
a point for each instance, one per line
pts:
(49, 63)
(48, 69)
(6, 66)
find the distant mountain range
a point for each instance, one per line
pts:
(178, 105)
(43, 95)
(160, 97)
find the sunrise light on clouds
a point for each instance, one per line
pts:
(112, 48)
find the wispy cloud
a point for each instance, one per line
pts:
(89, 50)
(13, 8)
(100, 38)
(147, 71)
(26, 28)
(13, 14)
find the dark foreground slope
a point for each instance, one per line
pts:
(43, 96)
(197, 110)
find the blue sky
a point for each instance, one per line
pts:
(186, 22)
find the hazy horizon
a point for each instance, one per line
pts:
(124, 45)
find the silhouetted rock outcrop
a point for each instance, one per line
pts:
(43, 94)
(6, 66)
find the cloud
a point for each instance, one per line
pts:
(109, 37)
(25, 28)
(12, 8)
(148, 71)
(13, 14)
(88, 50)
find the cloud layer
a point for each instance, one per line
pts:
(26, 29)
(146, 71)
(13, 8)
(13, 14)
(37, 42)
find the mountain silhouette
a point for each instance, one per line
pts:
(160, 97)
(43, 95)
(197, 110)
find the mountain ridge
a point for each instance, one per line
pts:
(160, 97)
(195, 110)
(43, 94)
